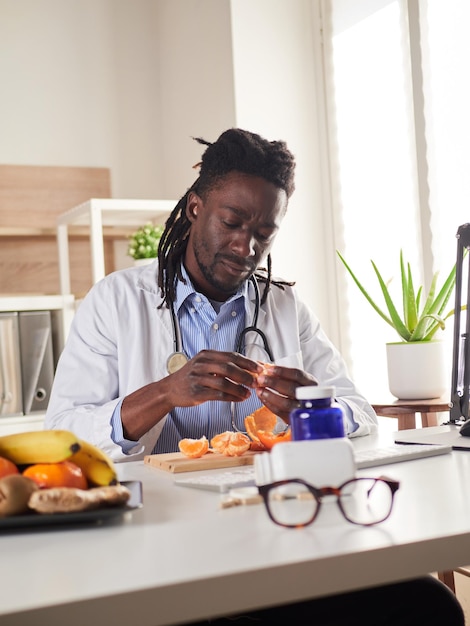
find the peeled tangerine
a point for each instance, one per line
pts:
(260, 427)
(230, 443)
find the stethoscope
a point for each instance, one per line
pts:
(178, 358)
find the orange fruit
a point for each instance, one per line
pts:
(7, 467)
(266, 368)
(257, 446)
(64, 474)
(261, 419)
(270, 439)
(194, 448)
(231, 443)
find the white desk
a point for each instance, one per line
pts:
(182, 558)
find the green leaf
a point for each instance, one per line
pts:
(417, 324)
(410, 307)
(397, 322)
(143, 243)
(364, 292)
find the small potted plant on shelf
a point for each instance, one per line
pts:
(416, 363)
(143, 243)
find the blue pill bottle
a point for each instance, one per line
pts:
(318, 417)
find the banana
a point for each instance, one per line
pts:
(95, 464)
(39, 446)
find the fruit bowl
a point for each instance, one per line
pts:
(97, 516)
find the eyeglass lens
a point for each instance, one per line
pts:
(292, 504)
(366, 501)
(362, 501)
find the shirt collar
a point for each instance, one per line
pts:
(187, 290)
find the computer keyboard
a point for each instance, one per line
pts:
(223, 482)
(397, 453)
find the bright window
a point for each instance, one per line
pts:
(446, 52)
(381, 142)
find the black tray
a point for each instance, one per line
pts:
(31, 520)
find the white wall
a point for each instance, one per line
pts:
(276, 70)
(125, 84)
(58, 77)
(196, 84)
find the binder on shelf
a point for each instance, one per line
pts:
(11, 402)
(37, 359)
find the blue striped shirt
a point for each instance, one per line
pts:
(214, 326)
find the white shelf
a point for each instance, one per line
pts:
(22, 423)
(63, 304)
(36, 302)
(95, 214)
(62, 308)
(117, 212)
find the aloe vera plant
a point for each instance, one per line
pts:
(420, 320)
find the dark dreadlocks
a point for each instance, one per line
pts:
(235, 150)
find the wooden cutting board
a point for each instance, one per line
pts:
(177, 462)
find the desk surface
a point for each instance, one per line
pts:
(181, 557)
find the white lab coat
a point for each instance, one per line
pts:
(120, 340)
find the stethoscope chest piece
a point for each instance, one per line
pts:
(176, 361)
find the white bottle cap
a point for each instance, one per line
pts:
(314, 392)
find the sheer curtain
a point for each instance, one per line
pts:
(446, 55)
(399, 133)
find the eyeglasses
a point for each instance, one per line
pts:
(295, 503)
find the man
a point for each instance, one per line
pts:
(156, 354)
(203, 288)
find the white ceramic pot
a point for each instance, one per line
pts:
(417, 370)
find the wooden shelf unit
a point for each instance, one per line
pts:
(62, 308)
(99, 216)
(31, 198)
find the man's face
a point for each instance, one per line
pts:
(232, 232)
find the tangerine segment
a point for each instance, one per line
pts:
(270, 439)
(194, 448)
(266, 369)
(230, 443)
(64, 474)
(7, 467)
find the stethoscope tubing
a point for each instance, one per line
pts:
(178, 358)
(178, 351)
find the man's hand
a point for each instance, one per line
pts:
(210, 375)
(213, 375)
(277, 385)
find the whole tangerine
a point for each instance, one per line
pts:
(7, 467)
(64, 474)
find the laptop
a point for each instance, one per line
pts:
(446, 434)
